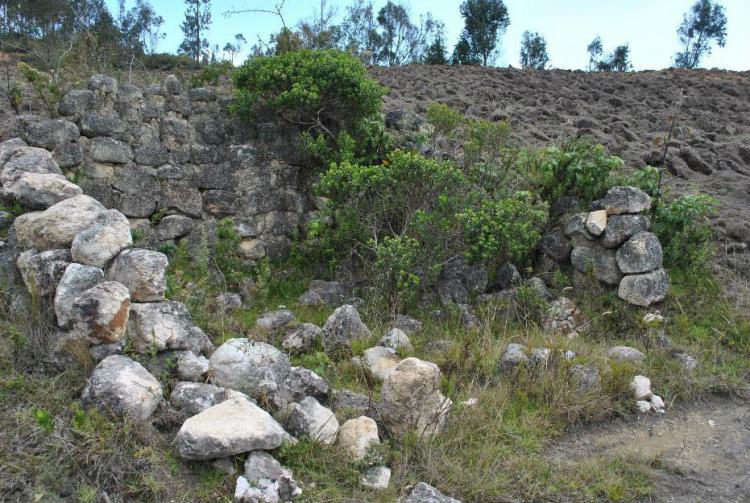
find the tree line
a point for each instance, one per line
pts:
(385, 36)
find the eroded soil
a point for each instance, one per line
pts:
(700, 451)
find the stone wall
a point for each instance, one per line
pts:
(176, 160)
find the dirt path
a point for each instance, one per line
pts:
(703, 449)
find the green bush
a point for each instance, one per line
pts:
(443, 119)
(685, 231)
(324, 90)
(576, 168)
(210, 75)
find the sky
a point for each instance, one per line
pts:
(649, 26)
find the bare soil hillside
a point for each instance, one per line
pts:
(627, 112)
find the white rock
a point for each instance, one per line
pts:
(121, 387)
(274, 320)
(658, 404)
(76, 280)
(357, 435)
(625, 354)
(596, 222)
(58, 225)
(641, 387)
(255, 368)
(341, 328)
(159, 326)
(40, 191)
(378, 360)
(310, 418)
(142, 271)
(643, 406)
(191, 367)
(376, 478)
(106, 237)
(227, 429)
(194, 397)
(411, 399)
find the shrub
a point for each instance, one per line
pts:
(323, 90)
(576, 168)
(685, 231)
(506, 229)
(210, 75)
(443, 119)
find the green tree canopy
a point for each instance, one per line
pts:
(533, 51)
(484, 22)
(704, 24)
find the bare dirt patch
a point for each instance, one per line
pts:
(700, 451)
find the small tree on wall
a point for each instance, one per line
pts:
(533, 51)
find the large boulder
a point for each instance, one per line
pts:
(232, 427)
(425, 493)
(323, 293)
(644, 289)
(58, 225)
(75, 280)
(173, 227)
(302, 382)
(42, 272)
(51, 133)
(160, 325)
(8, 148)
(472, 277)
(101, 312)
(274, 320)
(396, 339)
(38, 191)
(122, 388)
(601, 262)
(378, 361)
(621, 200)
(309, 418)
(621, 227)
(357, 435)
(555, 245)
(192, 367)
(193, 397)
(27, 160)
(641, 253)
(302, 338)
(105, 238)
(411, 399)
(342, 327)
(142, 271)
(255, 368)
(104, 149)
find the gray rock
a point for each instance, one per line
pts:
(424, 493)
(540, 357)
(472, 277)
(255, 368)
(411, 399)
(586, 378)
(191, 367)
(408, 324)
(621, 200)
(75, 280)
(621, 227)
(142, 271)
(348, 403)
(302, 338)
(58, 225)
(51, 133)
(514, 355)
(195, 397)
(173, 227)
(564, 318)
(342, 327)
(151, 153)
(575, 228)
(120, 387)
(644, 289)
(201, 94)
(104, 149)
(302, 382)
(40, 191)
(68, 155)
(625, 354)
(597, 260)
(507, 276)
(537, 285)
(396, 339)
(468, 319)
(76, 102)
(311, 419)
(227, 429)
(27, 160)
(556, 246)
(274, 320)
(101, 312)
(102, 84)
(100, 352)
(227, 302)
(596, 222)
(323, 293)
(42, 272)
(641, 253)
(106, 237)
(452, 291)
(93, 125)
(159, 326)
(172, 84)
(376, 478)
(357, 435)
